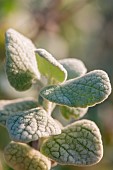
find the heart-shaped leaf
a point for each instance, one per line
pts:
(88, 90)
(21, 65)
(31, 125)
(76, 113)
(79, 144)
(49, 66)
(22, 157)
(74, 67)
(10, 107)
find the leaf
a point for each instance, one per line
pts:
(76, 113)
(22, 157)
(75, 68)
(10, 107)
(21, 65)
(49, 66)
(31, 125)
(79, 144)
(88, 90)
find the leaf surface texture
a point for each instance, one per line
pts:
(22, 157)
(21, 65)
(88, 90)
(79, 144)
(31, 125)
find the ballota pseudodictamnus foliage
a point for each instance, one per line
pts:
(38, 141)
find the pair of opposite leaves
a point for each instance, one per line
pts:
(78, 144)
(21, 67)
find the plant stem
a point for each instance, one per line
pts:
(47, 106)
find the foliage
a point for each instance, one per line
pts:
(68, 86)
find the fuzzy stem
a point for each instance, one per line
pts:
(48, 106)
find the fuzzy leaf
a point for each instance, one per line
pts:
(79, 144)
(31, 125)
(88, 90)
(22, 157)
(76, 113)
(74, 67)
(10, 107)
(49, 66)
(21, 65)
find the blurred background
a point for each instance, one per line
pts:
(80, 29)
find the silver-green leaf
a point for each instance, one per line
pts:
(21, 65)
(31, 125)
(74, 67)
(11, 107)
(79, 144)
(72, 112)
(88, 90)
(22, 157)
(49, 66)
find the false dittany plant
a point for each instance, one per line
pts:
(38, 141)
